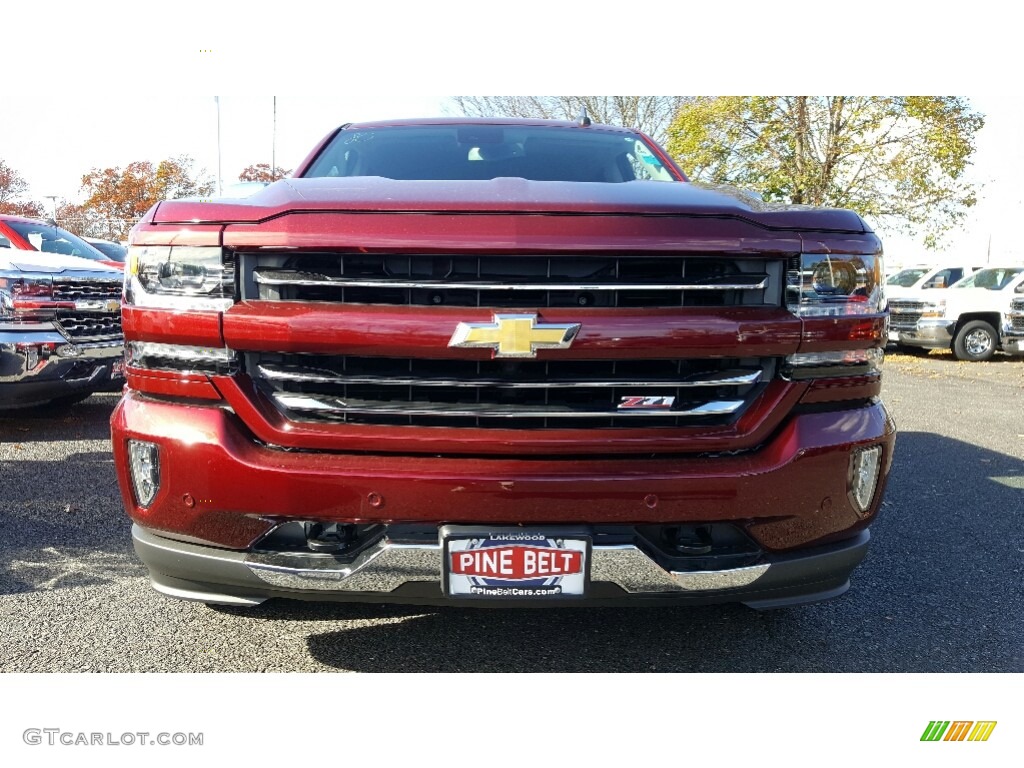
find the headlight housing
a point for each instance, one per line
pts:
(823, 284)
(175, 276)
(23, 292)
(934, 308)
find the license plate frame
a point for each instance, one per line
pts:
(563, 556)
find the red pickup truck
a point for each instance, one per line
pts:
(501, 362)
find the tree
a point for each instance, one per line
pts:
(650, 114)
(121, 197)
(79, 220)
(262, 172)
(12, 187)
(897, 160)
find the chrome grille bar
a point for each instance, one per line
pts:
(319, 376)
(323, 403)
(307, 279)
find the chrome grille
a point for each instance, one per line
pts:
(78, 290)
(509, 394)
(1017, 314)
(904, 314)
(90, 326)
(502, 282)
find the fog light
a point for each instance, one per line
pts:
(144, 459)
(864, 477)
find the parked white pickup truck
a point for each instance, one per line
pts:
(912, 281)
(970, 318)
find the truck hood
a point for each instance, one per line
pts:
(51, 263)
(506, 196)
(915, 294)
(976, 300)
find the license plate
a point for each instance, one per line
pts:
(514, 563)
(117, 370)
(894, 336)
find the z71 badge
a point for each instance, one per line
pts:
(637, 403)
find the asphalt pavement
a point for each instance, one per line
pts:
(940, 590)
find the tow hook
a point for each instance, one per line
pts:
(333, 537)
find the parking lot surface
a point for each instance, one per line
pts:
(940, 590)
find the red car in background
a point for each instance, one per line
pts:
(24, 234)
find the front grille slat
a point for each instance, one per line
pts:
(508, 394)
(904, 314)
(81, 290)
(306, 279)
(500, 282)
(86, 327)
(723, 379)
(90, 326)
(1016, 314)
(340, 406)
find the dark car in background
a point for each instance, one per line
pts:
(113, 251)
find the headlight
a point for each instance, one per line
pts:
(835, 285)
(20, 291)
(186, 277)
(934, 308)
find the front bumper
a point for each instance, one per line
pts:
(221, 492)
(409, 570)
(930, 333)
(1012, 339)
(40, 365)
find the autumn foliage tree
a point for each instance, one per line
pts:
(262, 172)
(897, 160)
(650, 114)
(121, 196)
(79, 220)
(12, 187)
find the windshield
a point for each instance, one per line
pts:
(906, 278)
(481, 152)
(991, 279)
(51, 239)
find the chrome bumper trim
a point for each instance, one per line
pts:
(930, 332)
(20, 363)
(388, 564)
(211, 598)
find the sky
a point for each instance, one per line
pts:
(146, 90)
(53, 160)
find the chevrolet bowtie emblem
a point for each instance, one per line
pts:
(515, 335)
